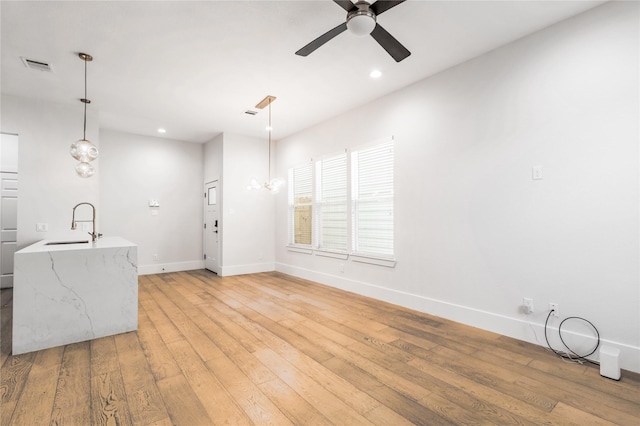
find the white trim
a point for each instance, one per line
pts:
(389, 263)
(170, 267)
(515, 327)
(303, 250)
(252, 268)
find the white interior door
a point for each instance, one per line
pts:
(211, 227)
(8, 206)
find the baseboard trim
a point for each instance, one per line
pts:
(162, 268)
(253, 268)
(526, 328)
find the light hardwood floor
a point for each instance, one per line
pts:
(273, 349)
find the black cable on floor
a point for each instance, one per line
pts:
(564, 355)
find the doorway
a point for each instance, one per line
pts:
(211, 227)
(8, 206)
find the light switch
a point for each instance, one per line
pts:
(42, 227)
(536, 173)
(154, 203)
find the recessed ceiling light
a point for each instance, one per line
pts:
(162, 131)
(375, 74)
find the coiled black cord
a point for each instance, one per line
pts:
(564, 355)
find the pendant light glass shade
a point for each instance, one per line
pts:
(84, 150)
(85, 170)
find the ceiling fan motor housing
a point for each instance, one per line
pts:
(361, 21)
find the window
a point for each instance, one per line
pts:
(300, 207)
(372, 200)
(349, 200)
(331, 204)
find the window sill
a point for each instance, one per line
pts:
(332, 254)
(389, 263)
(302, 250)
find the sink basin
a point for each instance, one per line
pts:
(57, 243)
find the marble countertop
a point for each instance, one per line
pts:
(101, 243)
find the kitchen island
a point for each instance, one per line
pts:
(71, 291)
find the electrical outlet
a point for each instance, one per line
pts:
(527, 304)
(554, 307)
(155, 257)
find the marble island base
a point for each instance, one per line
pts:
(67, 293)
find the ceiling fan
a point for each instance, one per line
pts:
(361, 21)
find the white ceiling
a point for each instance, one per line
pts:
(195, 67)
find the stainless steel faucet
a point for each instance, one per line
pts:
(94, 235)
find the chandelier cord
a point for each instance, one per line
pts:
(269, 141)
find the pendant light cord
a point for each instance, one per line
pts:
(85, 101)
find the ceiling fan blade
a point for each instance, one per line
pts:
(322, 40)
(345, 4)
(389, 43)
(384, 5)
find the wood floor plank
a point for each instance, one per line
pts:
(216, 400)
(586, 403)
(143, 397)
(586, 398)
(254, 403)
(328, 404)
(298, 410)
(74, 387)
(160, 360)
(200, 342)
(573, 416)
(182, 403)
(513, 409)
(15, 372)
(36, 400)
(488, 375)
(409, 409)
(108, 399)
(167, 331)
(621, 389)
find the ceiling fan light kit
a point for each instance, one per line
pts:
(361, 20)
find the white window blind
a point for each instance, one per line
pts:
(372, 200)
(300, 205)
(331, 204)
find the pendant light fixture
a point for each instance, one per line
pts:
(84, 150)
(272, 185)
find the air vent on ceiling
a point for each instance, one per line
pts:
(36, 65)
(250, 112)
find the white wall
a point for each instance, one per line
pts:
(212, 160)
(135, 169)
(49, 186)
(246, 216)
(474, 233)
